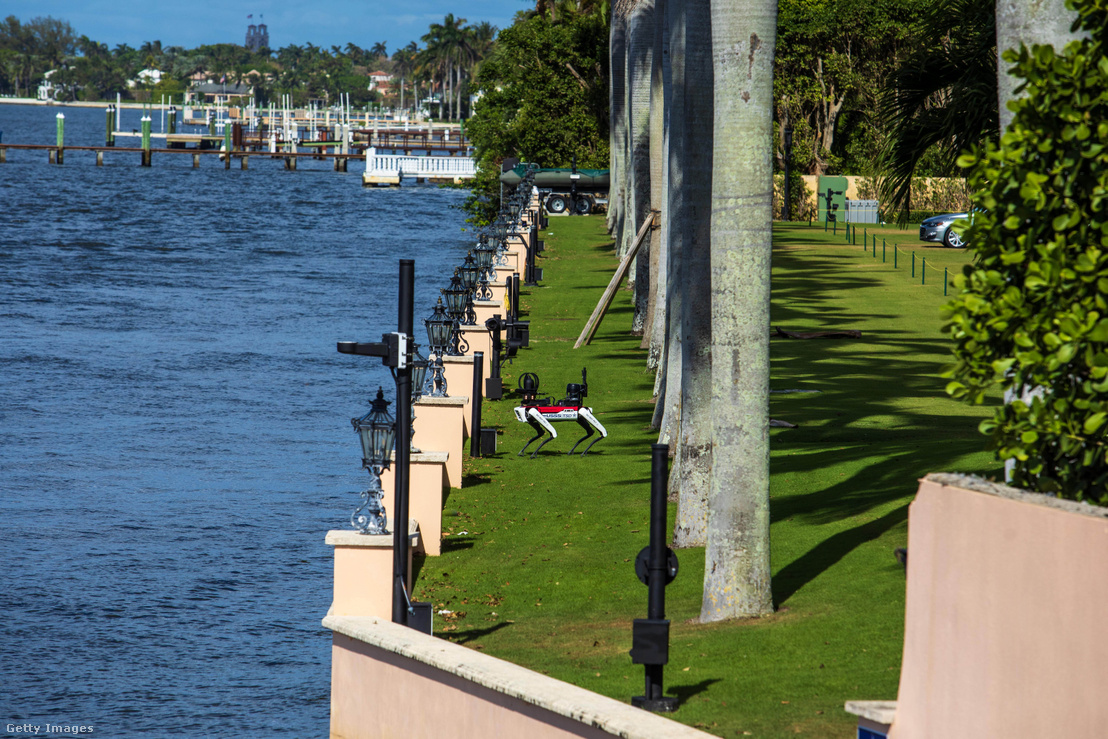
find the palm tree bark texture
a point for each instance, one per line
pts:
(690, 207)
(737, 557)
(640, 55)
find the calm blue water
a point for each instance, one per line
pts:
(174, 425)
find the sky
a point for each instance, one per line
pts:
(323, 23)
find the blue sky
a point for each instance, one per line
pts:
(323, 22)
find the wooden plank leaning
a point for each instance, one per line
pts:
(610, 291)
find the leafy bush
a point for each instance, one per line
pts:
(544, 98)
(1032, 316)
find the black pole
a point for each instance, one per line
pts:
(788, 171)
(403, 448)
(659, 479)
(650, 636)
(515, 296)
(656, 566)
(475, 405)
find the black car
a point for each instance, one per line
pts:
(939, 228)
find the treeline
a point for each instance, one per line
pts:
(888, 89)
(81, 68)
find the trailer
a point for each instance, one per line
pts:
(566, 190)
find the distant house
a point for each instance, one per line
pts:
(47, 90)
(217, 93)
(149, 77)
(380, 81)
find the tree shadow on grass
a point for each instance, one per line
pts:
(457, 543)
(795, 575)
(684, 692)
(464, 637)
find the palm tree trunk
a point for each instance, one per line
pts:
(737, 564)
(691, 137)
(1027, 22)
(617, 49)
(667, 411)
(654, 335)
(640, 35)
(458, 92)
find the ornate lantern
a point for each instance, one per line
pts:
(455, 296)
(439, 330)
(468, 273)
(377, 432)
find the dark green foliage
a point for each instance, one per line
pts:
(533, 106)
(832, 59)
(943, 100)
(1034, 312)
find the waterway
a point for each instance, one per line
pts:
(174, 425)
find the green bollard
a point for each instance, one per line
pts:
(895, 252)
(146, 140)
(913, 265)
(61, 138)
(882, 253)
(923, 272)
(944, 281)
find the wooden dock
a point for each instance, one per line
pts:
(56, 154)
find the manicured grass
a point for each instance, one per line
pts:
(537, 567)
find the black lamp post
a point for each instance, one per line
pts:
(788, 170)
(455, 296)
(439, 328)
(393, 350)
(468, 273)
(377, 432)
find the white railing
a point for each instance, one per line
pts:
(403, 165)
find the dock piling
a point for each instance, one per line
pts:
(61, 138)
(196, 161)
(145, 141)
(109, 134)
(244, 159)
(99, 159)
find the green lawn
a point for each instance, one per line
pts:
(537, 567)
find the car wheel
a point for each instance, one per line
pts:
(582, 206)
(952, 239)
(556, 204)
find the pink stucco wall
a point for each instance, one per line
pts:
(376, 694)
(1007, 597)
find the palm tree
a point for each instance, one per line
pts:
(640, 55)
(379, 49)
(445, 49)
(403, 64)
(736, 559)
(1027, 23)
(944, 98)
(690, 202)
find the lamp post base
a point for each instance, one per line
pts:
(665, 704)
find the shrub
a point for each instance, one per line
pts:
(1032, 315)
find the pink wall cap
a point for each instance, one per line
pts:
(453, 400)
(881, 712)
(980, 485)
(448, 359)
(350, 538)
(424, 458)
(616, 718)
